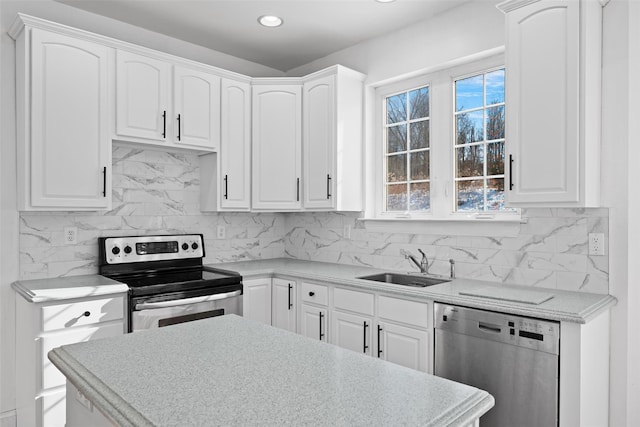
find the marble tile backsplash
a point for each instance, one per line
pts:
(158, 192)
(154, 192)
(550, 249)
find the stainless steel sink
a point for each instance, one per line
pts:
(406, 279)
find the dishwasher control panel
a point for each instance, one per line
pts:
(537, 334)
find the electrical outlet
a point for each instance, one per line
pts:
(70, 235)
(346, 232)
(596, 243)
(221, 232)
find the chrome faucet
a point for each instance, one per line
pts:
(423, 265)
(452, 273)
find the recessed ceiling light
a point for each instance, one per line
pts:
(270, 20)
(385, 1)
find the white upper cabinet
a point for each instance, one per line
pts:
(64, 156)
(553, 63)
(142, 98)
(276, 144)
(148, 111)
(235, 146)
(196, 108)
(332, 140)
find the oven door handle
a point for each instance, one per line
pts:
(186, 301)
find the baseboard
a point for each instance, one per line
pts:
(8, 419)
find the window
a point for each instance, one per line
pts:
(479, 142)
(441, 145)
(407, 151)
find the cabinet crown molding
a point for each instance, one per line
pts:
(23, 21)
(510, 5)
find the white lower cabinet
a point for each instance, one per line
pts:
(395, 329)
(313, 322)
(404, 346)
(352, 331)
(283, 304)
(40, 389)
(256, 300)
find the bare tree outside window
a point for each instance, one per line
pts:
(407, 149)
(479, 142)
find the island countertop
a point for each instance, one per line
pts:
(232, 371)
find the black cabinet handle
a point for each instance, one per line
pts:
(379, 347)
(86, 314)
(328, 186)
(164, 124)
(297, 189)
(321, 334)
(311, 294)
(179, 127)
(290, 304)
(226, 186)
(364, 338)
(510, 172)
(104, 181)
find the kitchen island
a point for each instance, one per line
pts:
(231, 371)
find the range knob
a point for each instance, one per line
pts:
(185, 246)
(194, 246)
(115, 250)
(127, 249)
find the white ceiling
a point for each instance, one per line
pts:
(312, 28)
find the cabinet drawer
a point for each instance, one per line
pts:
(60, 316)
(399, 310)
(312, 292)
(358, 302)
(51, 376)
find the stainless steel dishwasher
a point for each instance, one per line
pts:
(514, 358)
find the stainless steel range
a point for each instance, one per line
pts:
(167, 282)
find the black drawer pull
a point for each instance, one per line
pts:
(364, 339)
(311, 294)
(86, 314)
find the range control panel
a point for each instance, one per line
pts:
(119, 250)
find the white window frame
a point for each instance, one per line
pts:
(442, 134)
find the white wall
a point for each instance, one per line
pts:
(620, 173)
(466, 30)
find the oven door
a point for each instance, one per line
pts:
(157, 311)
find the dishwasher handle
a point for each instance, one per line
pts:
(488, 327)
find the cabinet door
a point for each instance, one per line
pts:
(313, 322)
(142, 97)
(70, 151)
(405, 346)
(543, 103)
(51, 376)
(283, 304)
(235, 145)
(351, 331)
(256, 300)
(196, 108)
(319, 143)
(276, 147)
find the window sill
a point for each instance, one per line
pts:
(452, 226)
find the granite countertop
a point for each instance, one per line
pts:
(577, 307)
(232, 371)
(61, 288)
